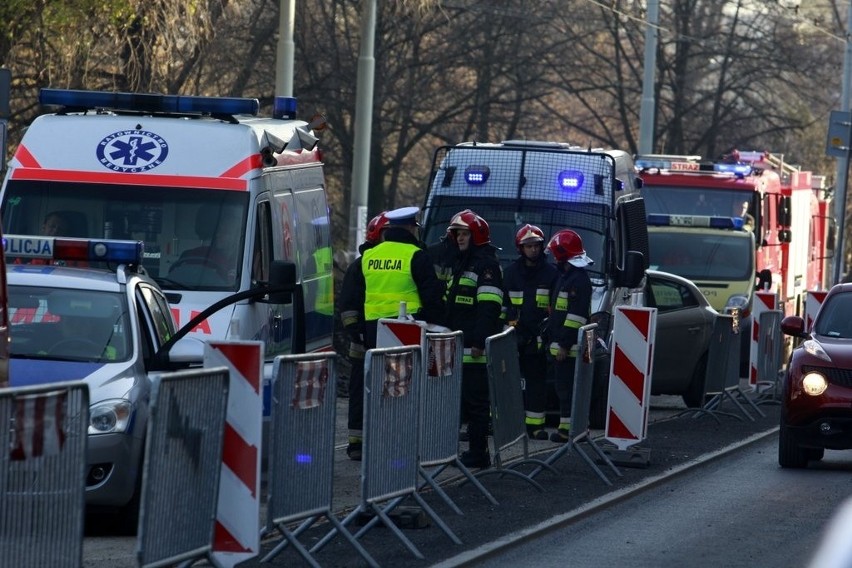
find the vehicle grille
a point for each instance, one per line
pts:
(839, 377)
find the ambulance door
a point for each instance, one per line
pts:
(313, 237)
(273, 321)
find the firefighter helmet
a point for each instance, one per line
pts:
(567, 246)
(480, 233)
(374, 228)
(526, 235)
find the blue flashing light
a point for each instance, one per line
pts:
(738, 169)
(571, 180)
(304, 458)
(662, 220)
(476, 175)
(24, 246)
(284, 108)
(148, 102)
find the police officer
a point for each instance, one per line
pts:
(352, 316)
(529, 282)
(570, 311)
(474, 305)
(399, 270)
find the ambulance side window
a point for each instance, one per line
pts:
(262, 249)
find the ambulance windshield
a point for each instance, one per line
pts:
(193, 237)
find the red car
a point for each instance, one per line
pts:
(816, 411)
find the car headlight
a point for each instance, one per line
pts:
(740, 303)
(814, 384)
(814, 348)
(110, 416)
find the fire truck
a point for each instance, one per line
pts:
(778, 201)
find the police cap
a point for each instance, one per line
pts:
(403, 216)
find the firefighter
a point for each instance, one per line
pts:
(352, 315)
(569, 311)
(398, 270)
(529, 283)
(474, 305)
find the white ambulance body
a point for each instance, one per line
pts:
(176, 172)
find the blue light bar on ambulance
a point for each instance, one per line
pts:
(661, 220)
(476, 175)
(571, 180)
(146, 102)
(284, 108)
(92, 250)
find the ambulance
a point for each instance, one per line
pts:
(220, 197)
(552, 185)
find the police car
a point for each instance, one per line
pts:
(82, 310)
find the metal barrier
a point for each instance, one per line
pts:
(389, 469)
(769, 352)
(183, 457)
(440, 400)
(580, 404)
(43, 474)
(507, 406)
(301, 450)
(722, 377)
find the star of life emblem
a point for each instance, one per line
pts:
(132, 151)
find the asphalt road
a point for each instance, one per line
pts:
(741, 510)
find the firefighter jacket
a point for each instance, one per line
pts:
(528, 290)
(570, 309)
(475, 298)
(443, 255)
(399, 270)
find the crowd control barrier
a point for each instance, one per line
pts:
(389, 470)
(580, 404)
(507, 406)
(722, 377)
(440, 420)
(183, 455)
(43, 474)
(769, 351)
(301, 450)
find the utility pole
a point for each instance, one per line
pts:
(843, 162)
(286, 50)
(646, 112)
(363, 126)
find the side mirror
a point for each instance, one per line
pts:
(282, 281)
(631, 274)
(793, 325)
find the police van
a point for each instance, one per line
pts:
(552, 185)
(219, 195)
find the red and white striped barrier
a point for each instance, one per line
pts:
(237, 534)
(398, 332)
(813, 302)
(763, 301)
(630, 375)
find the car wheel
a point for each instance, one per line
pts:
(694, 396)
(816, 454)
(790, 455)
(600, 393)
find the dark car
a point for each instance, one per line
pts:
(816, 403)
(685, 321)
